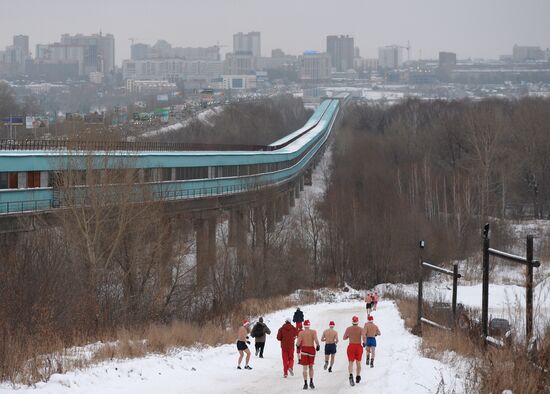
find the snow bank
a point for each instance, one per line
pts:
(399, 366)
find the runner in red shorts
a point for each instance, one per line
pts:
(309, 344)
(355, 349)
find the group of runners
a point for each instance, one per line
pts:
(300, 337)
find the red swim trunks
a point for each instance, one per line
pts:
(307, 355)
(355, 352)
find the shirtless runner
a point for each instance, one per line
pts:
(242, 340)
(330, 337)
(371, 331)
(355, 349)
(309, 344)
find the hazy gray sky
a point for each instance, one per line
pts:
(472, 28)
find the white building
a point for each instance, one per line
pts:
(137, 87)
(171, 69)
(390, 57)
(315, 66)
(239, 82)
(96, 77)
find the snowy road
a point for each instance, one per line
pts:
(399, 367)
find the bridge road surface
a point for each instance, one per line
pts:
(399, 368)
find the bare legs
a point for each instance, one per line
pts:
(241, 354)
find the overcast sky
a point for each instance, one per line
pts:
(471, 28)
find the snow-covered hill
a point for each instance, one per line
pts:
(399, 368)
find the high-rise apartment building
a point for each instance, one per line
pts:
(390, 57)
(447, 63)
(248, 42)
(99, 51)
(22, 42)
(13, 59)
(524, 53)
(315, 66)
(139, 51)
(164, 50)
(341, 50)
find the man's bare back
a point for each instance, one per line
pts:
(330, 336)
(308, 338)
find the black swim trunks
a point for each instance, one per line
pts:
(241, 345)
(330, 348)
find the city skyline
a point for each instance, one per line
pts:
(431, 28)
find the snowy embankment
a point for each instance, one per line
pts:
(399, 365)
(507, 291)
(203, 116)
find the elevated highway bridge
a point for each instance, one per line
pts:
(199, 181)
(30, 170)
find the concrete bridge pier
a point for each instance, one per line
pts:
(205, 235)
(232, 229)
(278, 209)
(285, 203)
(271, 215)
(259, 227)
(292, 198)
(301, 183)
(212, 237)
(297, 189)
(240, 226)
(308, 177)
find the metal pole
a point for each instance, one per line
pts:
(455, 288)
(420, 288)
(529, 289)
(485, 288)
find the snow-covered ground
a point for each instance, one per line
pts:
(505, 300)
(203, 116)
(399, 368)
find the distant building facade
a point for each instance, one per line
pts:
(277, 53)
(149, 87)
(171, 69)
(164, 50)
(315, 66)
(239, 82)
(139, 51)
(342, 51)
(361, 64)
(446, 65)
(390, 57)
(90, 54)
(99, 51)
(14, 58)
(248, 42)
(239, 63)
(525, 53)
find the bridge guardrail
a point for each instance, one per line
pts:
(25, 206)
(139, 146)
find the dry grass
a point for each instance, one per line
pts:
(160, 338)
(35, 360)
